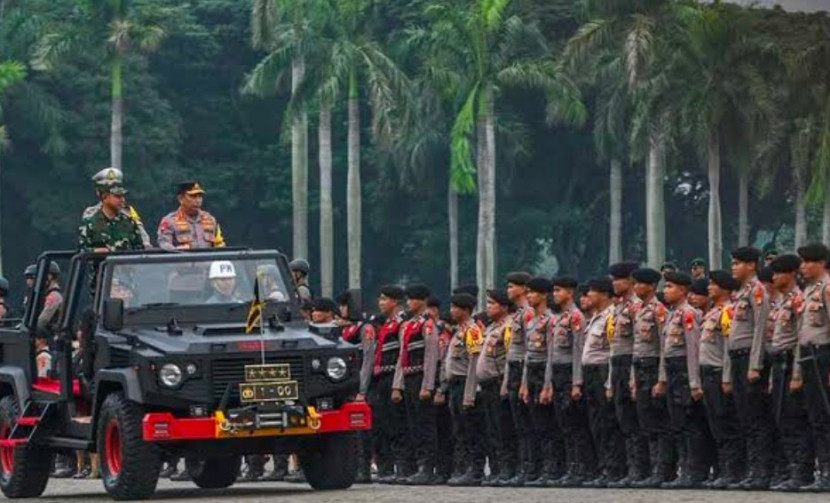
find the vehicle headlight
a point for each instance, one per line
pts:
(170, 375)
(336, 368)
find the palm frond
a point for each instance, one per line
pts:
(462, 168)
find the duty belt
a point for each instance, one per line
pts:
(782, 356)
(646, 362)
(739, 352)
(384, 369)
(414, 369)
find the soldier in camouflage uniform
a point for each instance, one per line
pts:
(112, 176)
(110, 228)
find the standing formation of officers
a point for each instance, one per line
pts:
(638, 379)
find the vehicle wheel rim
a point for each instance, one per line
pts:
(112, 447)
(6, 453)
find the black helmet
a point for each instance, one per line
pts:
(4, 285)
(31, 270)
(299, 264)
(54, 269)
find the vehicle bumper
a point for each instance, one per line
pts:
(164, 427)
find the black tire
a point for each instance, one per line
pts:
(215, 473)
(24, 471)
(330, 462)
(136, 475)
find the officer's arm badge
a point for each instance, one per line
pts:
(508, 334)
(609, 328)
(576, 322)
(689, 321)
(758, 293)
(134, 215)
(472, 337)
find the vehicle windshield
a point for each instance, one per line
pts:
(197, 282)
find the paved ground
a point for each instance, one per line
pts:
(70, 491)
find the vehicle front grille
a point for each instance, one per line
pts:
(232, 371)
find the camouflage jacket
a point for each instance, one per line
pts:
(129, 210)
(119, 233)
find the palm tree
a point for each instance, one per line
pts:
(11, 72)
(281, 27)
(119, 27)
(634, 31)
(490, 51)
(717, 90)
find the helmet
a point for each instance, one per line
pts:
(54, 268)
(268, 270)
(4, 284)
(31, 270)
(222, 269)
(299, 264)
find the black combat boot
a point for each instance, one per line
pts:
(821, 484)
(470, 479)
(424, 477)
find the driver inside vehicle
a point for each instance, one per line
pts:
(222, 278)
(269, 283)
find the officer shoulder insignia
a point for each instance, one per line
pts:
(798, 303)
(369, 331)
(576, 321)
(609, 328)
(726, 320)
(528, 317)
(689, 320)
(758, 293)
(508, 333)
(661, 313)
(429, 325)
(472, 338)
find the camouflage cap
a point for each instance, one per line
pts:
(109, 176)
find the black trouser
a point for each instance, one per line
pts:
(546, 451)
(753, 406)
(723, 423)
(422, 440)
(521, 416)
(790, 415)
(688, 420)
(467, 423)
(499, 451)
(445, 466)
(815, 368)
(573, 421)
(608, 438)
(653, 417)
(636, 443)
(256, 464)
(387, 425)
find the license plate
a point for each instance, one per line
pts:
(269, 391)
(269, 372)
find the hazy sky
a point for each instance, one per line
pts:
(793, 5)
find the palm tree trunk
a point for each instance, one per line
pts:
(299, 168)
(117, 119)
(1, 186)
(353, 202)
(655, 203)
(800, 211)
(825, 221)
(481, 172)
(326, 213)
(743, 207)
(713, 171)
(490, 189)
(452, 218)
(615, 214)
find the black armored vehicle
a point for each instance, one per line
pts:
(198, 354)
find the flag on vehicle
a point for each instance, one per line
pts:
(255, 311)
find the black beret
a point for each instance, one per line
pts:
(343, 297)
(765, 275)
(668, 265)
(679, 278)
(392, 291)
(770, 251)
(190, 188)
(417, 292)
(697, 261)
(500, 296)
(520, 278)
(468, 289)
(434, 302)
(540, 284)
(565, 282)
(700, 287)
(815, 252)
(601, 285)
(746, 254)
(786, 263)
(646, 275)
(582, 290)
(324, 304)
(464, 301)
(622, 269)
(724, 280)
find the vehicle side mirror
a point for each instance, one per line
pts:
(355, 305)
(114, 314)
